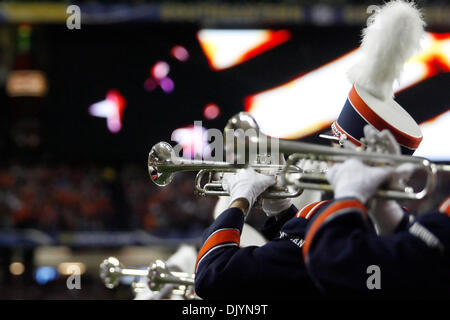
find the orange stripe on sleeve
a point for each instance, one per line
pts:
(315, 209)
(344, 204)
(308, 211)
(218, 237)
(304, 211)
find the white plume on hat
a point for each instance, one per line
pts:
(392, 36)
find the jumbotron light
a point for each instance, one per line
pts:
(111, 108)
(180, 53)
(160, 70)
(193, 141)
(228, 48)
(211, 111)
(434, 131)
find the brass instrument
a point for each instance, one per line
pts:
(318, 180)
(292, 179)
(157, 275)
(163, 165)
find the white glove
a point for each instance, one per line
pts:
(387, 214)
(377, 141)
(384, 141)
(381, 141)
(246, 184)
(308, 165)
(352, 178)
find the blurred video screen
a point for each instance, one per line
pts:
(115, 90)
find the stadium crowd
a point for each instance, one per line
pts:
(93, 198)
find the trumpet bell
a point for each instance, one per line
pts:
(161, 154)
(109, 272)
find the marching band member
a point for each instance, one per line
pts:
(412, 254)
(276, 247)
(341, 246)
(370, 115)
(226, 270)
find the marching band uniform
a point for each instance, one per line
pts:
(275, 270)
(411, 253)
(249, 235)
(370, 113)
(413, 261)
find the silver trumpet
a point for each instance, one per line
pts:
(291, 178)
(157, 274)
(318, 180)
(163, 164)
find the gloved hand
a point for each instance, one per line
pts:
(381, 141)
(246, 184)
(387, 214)
(384, 142)
(352, 178)
(308, 165)
(377, 141)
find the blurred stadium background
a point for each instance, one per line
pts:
(80, 109)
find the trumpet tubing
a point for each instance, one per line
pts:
(318, 181)
(111, 271)
(163, 164)
(214, 187)
(292, 180)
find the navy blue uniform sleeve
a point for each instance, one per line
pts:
(224, 270)
(341, 253)
(272, 226)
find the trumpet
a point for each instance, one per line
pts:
(157, 275)
(318, 180)
(291, 178)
